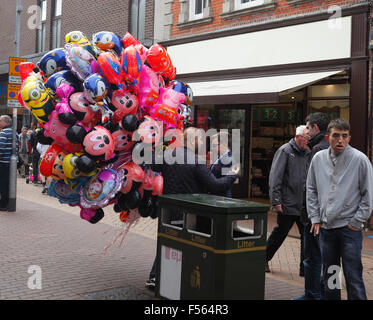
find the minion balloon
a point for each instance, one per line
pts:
(79, 38)
(36, 97)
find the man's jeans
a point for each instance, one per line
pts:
(313, 286)
(342, 243)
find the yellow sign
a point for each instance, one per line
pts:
(13, 65)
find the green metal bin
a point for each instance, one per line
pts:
(210, 247)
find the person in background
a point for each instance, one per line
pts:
(187, 176)
(316, 124)
(35, 156)
(339, 202)
(220, 146)
(24, 152)
(286, 184)
(6, 138)
(41, 149)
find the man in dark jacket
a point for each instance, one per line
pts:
(35, 156)
(316, 125)
(183, 173)
(287, 180)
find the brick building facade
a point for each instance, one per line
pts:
(262, 65)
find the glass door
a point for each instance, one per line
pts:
(236, 117)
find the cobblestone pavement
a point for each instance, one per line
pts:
(69, 251)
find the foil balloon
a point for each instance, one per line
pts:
(25, 69)
(62, 191)
(133, 177)
(122, 139)
(109, 67)
(149, 86)
(82, 108)
(101, 188)
(51, 163)
(56, 130)
(149, 131)
(52, 62)
(92, 216)
(36, 97)
(78, 38)
(131, 64)
(96, 88)
(81, 62)
(130, 40)
(65, 114)
(125, 103)
(167, 107)
(64, 76)
(106, 40)
(160, 61)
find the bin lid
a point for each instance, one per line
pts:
(215, 203)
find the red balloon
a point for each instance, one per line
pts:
(109, 66)
(131, 64)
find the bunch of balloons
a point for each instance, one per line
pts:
(91, 99)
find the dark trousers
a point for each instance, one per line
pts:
(279, 233)
(35, 166)
(313, 285)
(4, 184)
(153, 272)
(342, 243)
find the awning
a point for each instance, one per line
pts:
(254, 90)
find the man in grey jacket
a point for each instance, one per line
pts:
(339, 201)
(287, 179)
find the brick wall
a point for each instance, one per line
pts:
(283, 10)
(8, 29)
(87, 16)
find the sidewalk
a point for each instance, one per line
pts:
(50, 235)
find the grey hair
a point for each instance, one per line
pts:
(299, 130)
(7, 119)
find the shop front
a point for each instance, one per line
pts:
(265, 82)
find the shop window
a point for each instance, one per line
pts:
(272, 126)
(194, 12)
(234, 8)
(332, 99)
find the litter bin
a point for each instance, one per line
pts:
(210, 247)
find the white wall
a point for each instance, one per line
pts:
(315, 41)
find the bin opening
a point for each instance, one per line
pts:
(173, 218)
(247, 229)
(199, 225)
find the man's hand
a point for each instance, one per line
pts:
(236, 169)
(353, 228)
(277, 208)
(315, 228)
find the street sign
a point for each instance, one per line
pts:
(13, 90)
(14, 77)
